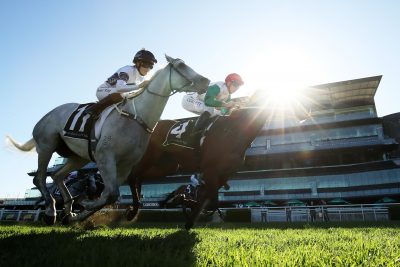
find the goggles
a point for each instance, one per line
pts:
(147, 65)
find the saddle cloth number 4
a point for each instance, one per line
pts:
(180, 129)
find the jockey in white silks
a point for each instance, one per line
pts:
(216, 101)
(125, 79)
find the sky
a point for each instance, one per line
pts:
(56, 52)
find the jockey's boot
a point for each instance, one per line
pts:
(202, 121)
(95, 109)
(199, 126)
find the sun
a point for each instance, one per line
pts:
(284, 103)
(282, 97)
(282, 74)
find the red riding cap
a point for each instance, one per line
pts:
(234, 77)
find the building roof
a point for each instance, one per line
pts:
(344, 93)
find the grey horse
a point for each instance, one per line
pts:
(122, 143)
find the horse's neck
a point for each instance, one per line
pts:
(246, 124)
(255, 120)
(149, 106)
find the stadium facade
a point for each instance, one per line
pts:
(330, 146)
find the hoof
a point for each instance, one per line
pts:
(49, 220)
(188, 226)
(131, 213)
(68, 219)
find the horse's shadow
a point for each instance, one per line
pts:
(87, 248)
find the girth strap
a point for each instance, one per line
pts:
(136, 118)
(92, 144)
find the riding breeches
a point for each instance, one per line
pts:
(191, 103)
(104, 90)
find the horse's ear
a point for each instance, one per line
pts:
(169, 59)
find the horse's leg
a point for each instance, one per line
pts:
(110, 194)
(170, 196)
(136, 187)
(189, 204)
(40, 182)
(211, 189)
(221, 215)
(73, 163)
(135, 179)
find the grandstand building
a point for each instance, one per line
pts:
(331, 146)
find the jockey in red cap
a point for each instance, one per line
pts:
(216, 101)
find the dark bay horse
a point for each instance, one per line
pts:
(219, 157)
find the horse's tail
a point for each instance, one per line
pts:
(28, 146)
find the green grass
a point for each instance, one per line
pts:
(281, 244)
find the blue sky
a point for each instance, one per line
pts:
(54, 52)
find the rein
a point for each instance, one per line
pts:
(134, 117)
(173, 90)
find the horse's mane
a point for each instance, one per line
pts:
(232, 121)
(244, 114)
(141, 90)
(138, 92)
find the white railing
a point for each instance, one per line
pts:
(262, 214)
(320, 213)
(20, 215)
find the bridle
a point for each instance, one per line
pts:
(136, 117)
(173, 90)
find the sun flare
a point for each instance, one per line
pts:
(282, 97)
(282, 75)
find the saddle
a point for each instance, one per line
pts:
(81, 125)
(182, 134)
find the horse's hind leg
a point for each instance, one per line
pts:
(211, 190)
(110, 192)
(221, 215)
(40, 182)
(168, 198)
(136, 187)
(108, 196)
(73, 163)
